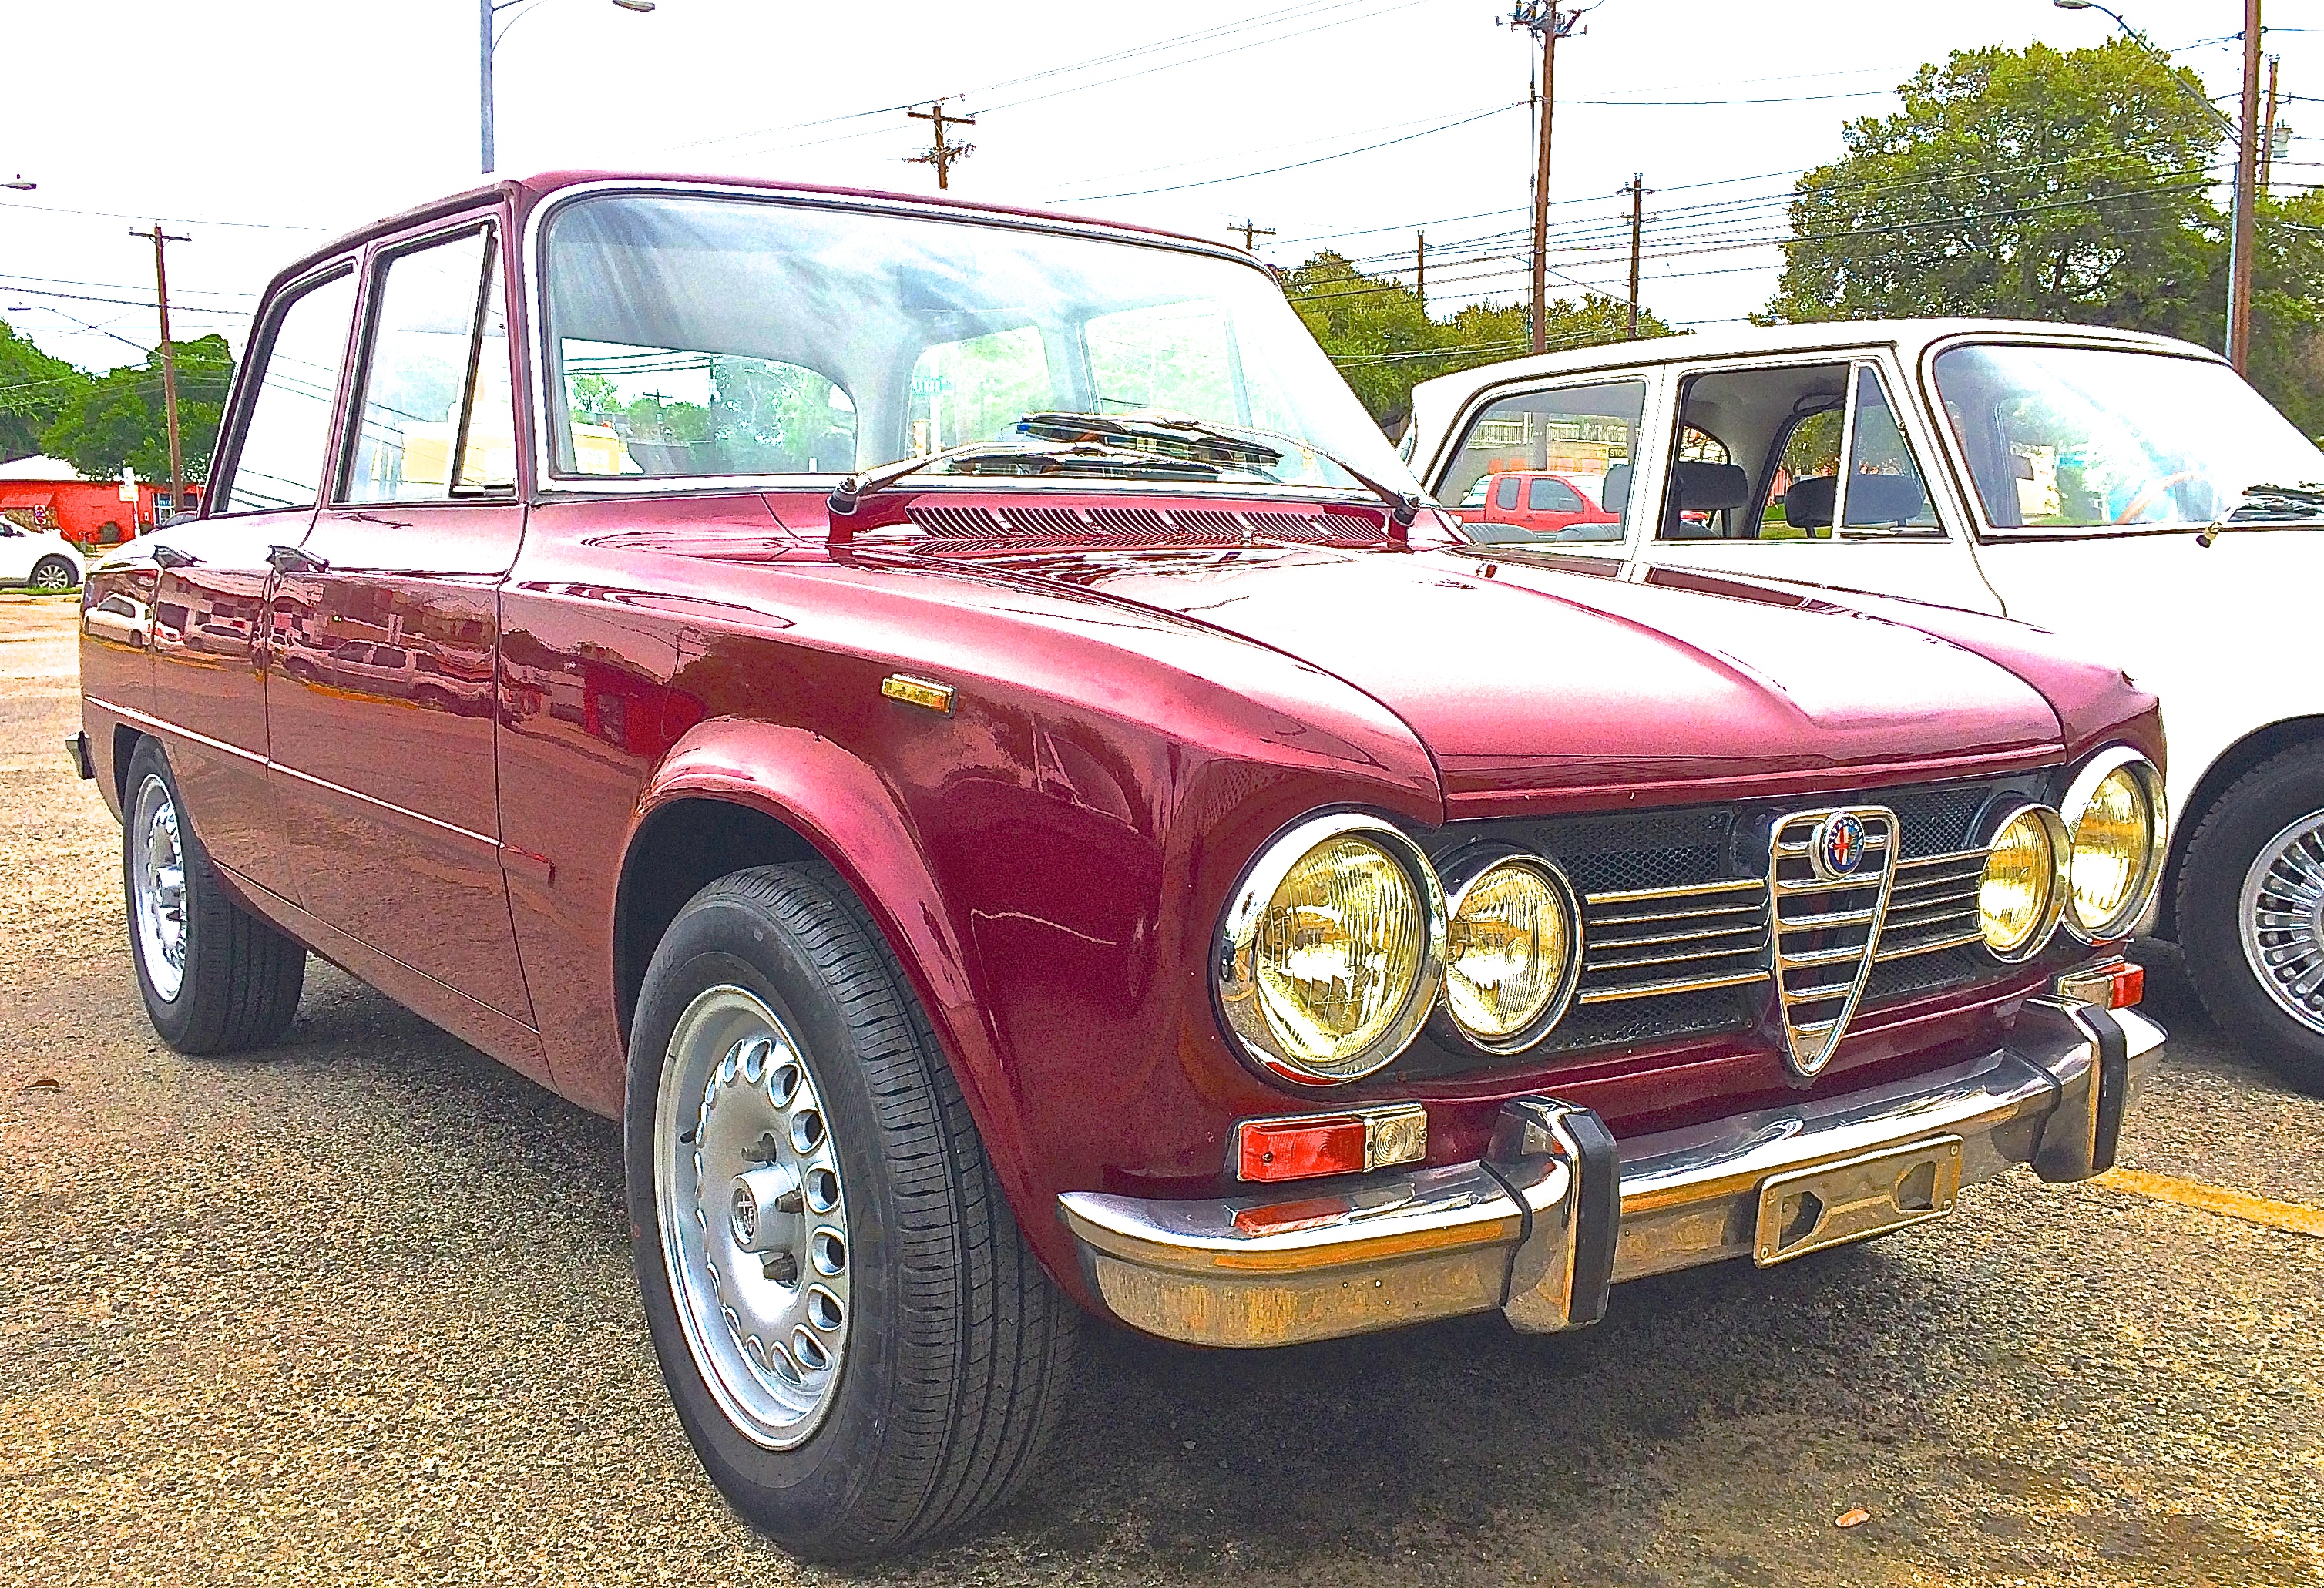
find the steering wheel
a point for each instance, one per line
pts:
(2154, 488)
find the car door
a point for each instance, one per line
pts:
(1803, 470)
(1587, 431)
(388, 792)
(209, 620)
(15, 554)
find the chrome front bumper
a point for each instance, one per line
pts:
(1558, 1210)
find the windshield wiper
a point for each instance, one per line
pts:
(1236, 447)
(1027, 457)
(2268, 504)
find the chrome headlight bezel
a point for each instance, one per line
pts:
(2071, 809)
(1462, 873)
(2053, 907)
(1234, 980)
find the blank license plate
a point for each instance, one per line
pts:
(1807, 1210)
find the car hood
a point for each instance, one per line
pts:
(1524, 682)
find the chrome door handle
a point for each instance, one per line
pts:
(291, 560)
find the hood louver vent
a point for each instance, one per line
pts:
(1139, 526)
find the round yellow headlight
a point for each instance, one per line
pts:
(1510, 950)
(2115, 829)
(2021, 894)
(1333, 950)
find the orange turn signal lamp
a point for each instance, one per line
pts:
(2118, 985)
(1302, 1147)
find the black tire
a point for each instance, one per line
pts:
(2260, 805)
(961, 1348)
(53, 575)
(240, 978)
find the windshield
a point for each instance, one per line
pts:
(697, 335)
(2089, 437)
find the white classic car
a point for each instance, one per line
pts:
(37, 560)
(2130, 493)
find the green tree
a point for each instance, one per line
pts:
(121, 418)
(2287, 343)
(1384, 342)
(2036, 184)
(33, 391)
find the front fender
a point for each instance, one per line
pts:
(841, 809)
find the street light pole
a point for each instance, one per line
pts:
(485, 44)
(2242, 221)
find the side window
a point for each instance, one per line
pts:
(1811, 454)
(1734, 465)
(1547, 495)
(279, 460)
(977, 389)
(436, 404)
(1587, 435)
(1884, 487)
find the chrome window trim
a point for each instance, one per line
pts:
(534, 264)
(1234, 989)
(2086, 782)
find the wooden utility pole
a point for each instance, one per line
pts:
(1250, 231)
(1548, 22)
(1638, 229)
(2267, 135)
(2240, 268)
(943, 154)
(161, 240)
(1420, 271)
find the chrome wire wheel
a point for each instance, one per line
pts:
(2281, 917)
(157, 886)
(753, 1216)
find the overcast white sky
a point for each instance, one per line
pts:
(257, 127)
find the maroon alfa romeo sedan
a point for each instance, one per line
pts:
(955, 728)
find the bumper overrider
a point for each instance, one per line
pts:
(1558, 1210)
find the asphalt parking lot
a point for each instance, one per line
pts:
(360, 1308)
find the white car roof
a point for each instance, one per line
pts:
(1436, 402)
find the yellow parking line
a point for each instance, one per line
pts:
(2291, 1217)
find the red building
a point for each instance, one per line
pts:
(85, 511)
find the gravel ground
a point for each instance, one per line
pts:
(359, 1308)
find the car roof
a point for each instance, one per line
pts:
(526, 193)
(1435, 402)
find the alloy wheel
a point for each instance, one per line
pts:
(2281, 917)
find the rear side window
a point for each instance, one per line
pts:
(436, 415)
(285, 439)
(1586, 434)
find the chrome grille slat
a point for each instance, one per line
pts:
(1678, 984)
(1747, 885)
(1935, 946)
(1709, 928)
(1652, 939)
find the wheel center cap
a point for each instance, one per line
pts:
(763, 1208)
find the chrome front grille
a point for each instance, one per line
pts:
(1932, 905)
(1652, 942)
(1827, 924)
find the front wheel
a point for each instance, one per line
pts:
(53, 574)
(2250, 912)
(860, 1347)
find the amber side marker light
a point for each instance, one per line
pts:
(2118, 985)
(914, 691)
(1306, 1146)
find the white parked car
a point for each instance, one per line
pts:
(2129, 491)
(37, 560)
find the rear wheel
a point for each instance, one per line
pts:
(860, 1344)
(54, 574)
(2250, 912)
(214, 977)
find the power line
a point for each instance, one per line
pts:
(1302, 164)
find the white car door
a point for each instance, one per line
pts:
(1804, 469)
(16, 553)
